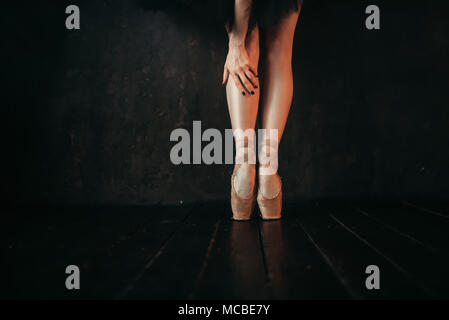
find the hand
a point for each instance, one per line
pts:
(238, 66)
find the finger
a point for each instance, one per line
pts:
(246, 83)
(252, 78)
(225, 76)
(238, 84)
(254, 71)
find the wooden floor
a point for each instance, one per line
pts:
(318, 251)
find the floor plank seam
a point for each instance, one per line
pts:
(269, 282)
(339, 277)
(399, 232)
(151, 259)
(408, 275)
(206, 260)
(433, 212)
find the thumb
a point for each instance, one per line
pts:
(225, 76)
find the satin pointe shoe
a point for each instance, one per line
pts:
(242, 207)
(270, 209)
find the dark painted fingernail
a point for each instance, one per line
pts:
(257, 75)
(252, 92)
(243, 92)
(256, 87)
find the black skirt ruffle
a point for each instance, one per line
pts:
(266, 13)
(220, 13)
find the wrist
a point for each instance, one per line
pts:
(236, 41)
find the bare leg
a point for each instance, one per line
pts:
(243, 113)
(277, 90)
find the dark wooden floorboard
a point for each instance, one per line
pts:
(439, 206)
(179, 267)
(436, 209)
(398, 230)
(44, 242)
(113, 271)
(427, 272)
(188, 251)
(235, 269)
(296, 269)
(86, 237)
(349, 256)
(429, 229)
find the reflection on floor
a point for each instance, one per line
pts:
(318, 251)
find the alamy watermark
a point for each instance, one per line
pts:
(73, 280)
(220, 147)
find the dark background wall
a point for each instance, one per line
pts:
(87, 114)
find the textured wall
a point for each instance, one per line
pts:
(88, 113)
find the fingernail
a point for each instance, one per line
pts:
(243, 92)
(252, 92)
(257, 76)
(256, 87)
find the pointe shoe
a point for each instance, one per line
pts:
(270, 209)
(242, 208)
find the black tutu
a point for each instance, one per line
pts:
(266, 13)
(220, 13)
